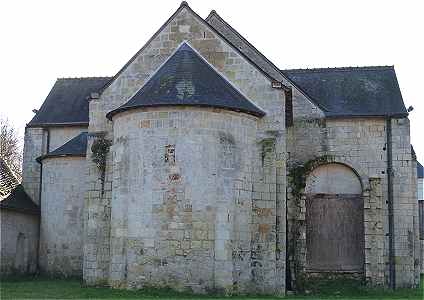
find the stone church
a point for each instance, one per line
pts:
(201, 165)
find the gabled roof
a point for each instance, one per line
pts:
(247, 50)
(352, 91)
(19, 200)
(8, 180)
(209, 25)
(243, 45)
(77, 146)
(67, 102)
(420, 170)
(187, 79)
(338, 92)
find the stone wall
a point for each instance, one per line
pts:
(422, 256)
(61, 135)
(19, 242)
(254, 84)
(183, 211)
(34, 146)
(361, 145)
(62, 198)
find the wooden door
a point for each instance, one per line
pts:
(334, 232)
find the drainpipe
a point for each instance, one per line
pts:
(41, 165)
(392, 270)
(279, 85)
(39, 195)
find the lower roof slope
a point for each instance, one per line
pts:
(420, 170)
(67, 102)
(19, 200)
(187, 79)
(345, 92)
(77, 146)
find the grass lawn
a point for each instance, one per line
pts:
(44, 288)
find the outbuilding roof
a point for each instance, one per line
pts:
(67, 102)
(19, 200)
(352, 91)
(77, 146)
(187, 79)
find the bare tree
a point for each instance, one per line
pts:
(10, 149)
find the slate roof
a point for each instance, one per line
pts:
(19, 200)
(187, 79)
(266, 71)
(339, 92)
(8, 180)
(77, 146)
(67, 102)
(244, 47)
(420, 170)
(352, 91)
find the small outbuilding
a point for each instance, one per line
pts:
(19, 222)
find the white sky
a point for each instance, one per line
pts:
(43, 40)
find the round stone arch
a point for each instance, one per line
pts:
(342, 160)
(334, 199)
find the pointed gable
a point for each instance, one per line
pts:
(187, 79)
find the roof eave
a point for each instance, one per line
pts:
(64, 124)
(42, 157)
(385, 116)
(22, 210)
(114, 112)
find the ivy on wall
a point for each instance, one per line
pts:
(100, 149)
(297, 180)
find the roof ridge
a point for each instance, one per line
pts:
(184, 5)
(349, 68)
(214, 13)
(261, 55)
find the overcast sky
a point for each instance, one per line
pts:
(44, 40)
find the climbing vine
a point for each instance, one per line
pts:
(100, 149)
(297, 177)
(299, 173)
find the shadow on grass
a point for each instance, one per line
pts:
(72, 288)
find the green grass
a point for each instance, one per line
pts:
(45, 288)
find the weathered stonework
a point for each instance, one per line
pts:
(101, 264)
(194, 197)
(361, 145)
(60, 135)
(36, 142)
(181, 216)
(19, 242)
(34, 146)
(62, 200)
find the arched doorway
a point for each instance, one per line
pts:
(334, 220)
